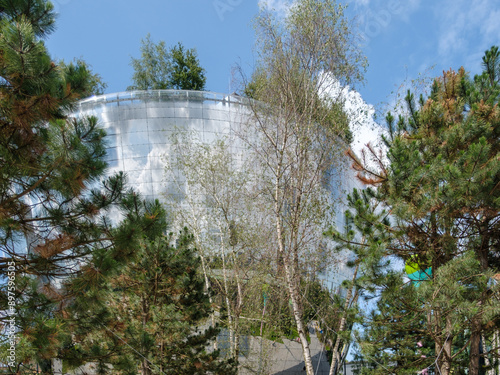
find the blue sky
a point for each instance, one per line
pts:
(402, 37)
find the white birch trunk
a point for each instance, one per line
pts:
(207, 285)
(292, 288)
(343, 322)
(230, 322)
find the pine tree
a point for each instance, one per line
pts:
(96, 84)
(49, 219)
(441, 188)
(147, 311)
(161, 68)
(397, 325)
(187, 74)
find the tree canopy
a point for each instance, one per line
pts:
(436, 206)
(295, 134)
(50, 218)
(162, 68)
(145, 310)
(95, 83)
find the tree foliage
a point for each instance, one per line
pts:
(296, 132)
(95, 83)
(144, 311)
(162, 68)
(219, 208)
(49, 217)
(187, 74)
(438, 198)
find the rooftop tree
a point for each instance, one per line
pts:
(161, 68)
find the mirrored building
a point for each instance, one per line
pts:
(140, 126)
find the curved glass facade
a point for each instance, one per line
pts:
(140, 125)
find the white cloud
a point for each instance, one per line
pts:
(362, 124)
(361, 2)
(376, 17)
(375, 8)
(363, 127)
(467, 28)
(491, 26)
(280, 7)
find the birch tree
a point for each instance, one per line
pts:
(297, 136)
(215, 201)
